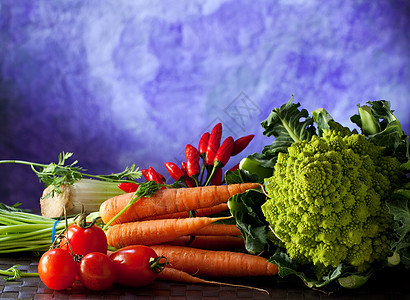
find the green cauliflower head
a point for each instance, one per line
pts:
(326, 200)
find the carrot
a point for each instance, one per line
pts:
(154, 231)
(170, 200)
(175, 275)
(218, 229)
(202, 212)
(210, 263)
(209, 242)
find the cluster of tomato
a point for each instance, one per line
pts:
(82, 255)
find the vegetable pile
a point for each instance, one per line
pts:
(188, 220)
(322, 202)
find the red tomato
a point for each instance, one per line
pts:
(97, 271)
(57, 269)
(132, 264)
(85, 240)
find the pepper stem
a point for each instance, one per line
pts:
(216, 165)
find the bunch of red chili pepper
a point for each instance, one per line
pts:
(213, 154)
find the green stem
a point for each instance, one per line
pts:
(202, 173)
(292, 134)
(145, 189)
(133, 199)
(27, 243)
(21, 162)
(210, 175)
(196, 180)
(33, 165)
(30, 235)
(23, 217)
(19, 228)
(15, 273)
(26, 249)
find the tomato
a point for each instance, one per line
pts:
(57, 269)
(97, 271)
(132, 264)
(85, 240)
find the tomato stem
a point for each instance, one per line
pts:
(157, 265)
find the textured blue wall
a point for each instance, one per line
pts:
(123, 82)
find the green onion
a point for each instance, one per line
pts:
(24, 231)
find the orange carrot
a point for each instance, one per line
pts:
(211, 263)
(154, 231)
(166, 201)
(202, 212)
(209, 242)
(218, 229)
(175, 275)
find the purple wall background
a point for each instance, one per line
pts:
(123, 82)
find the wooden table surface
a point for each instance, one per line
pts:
(393, 285)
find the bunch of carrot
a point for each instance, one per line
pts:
(162, 217)
(194, 246)
(180, 223)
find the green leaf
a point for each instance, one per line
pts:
(56, 174)
(354, 281)
(145, 189)
(288, 124)
(239, 176)
(399, 207)
(322, 119)
(257, 166)
(380, 126)
(366, 120)
(287, 267)
(246, 209)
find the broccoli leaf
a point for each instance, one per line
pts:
(287, 267)
(255, 168)
(322, 119)
(380, 126)
(246, 209)
(239, 176)
(366, 120)
(342, 274)
(399, 207)
(287, 125)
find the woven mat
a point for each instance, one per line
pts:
(393, 286)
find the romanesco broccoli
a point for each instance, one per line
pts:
(326, 200)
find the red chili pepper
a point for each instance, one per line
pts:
(224, 152)
(128, 187)
(192, 160)
(175, 171)
(241, 144)
(188, 180)
(217, 177)
(144, 173)
(155, 176)
(203, 144)
(213, 144)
